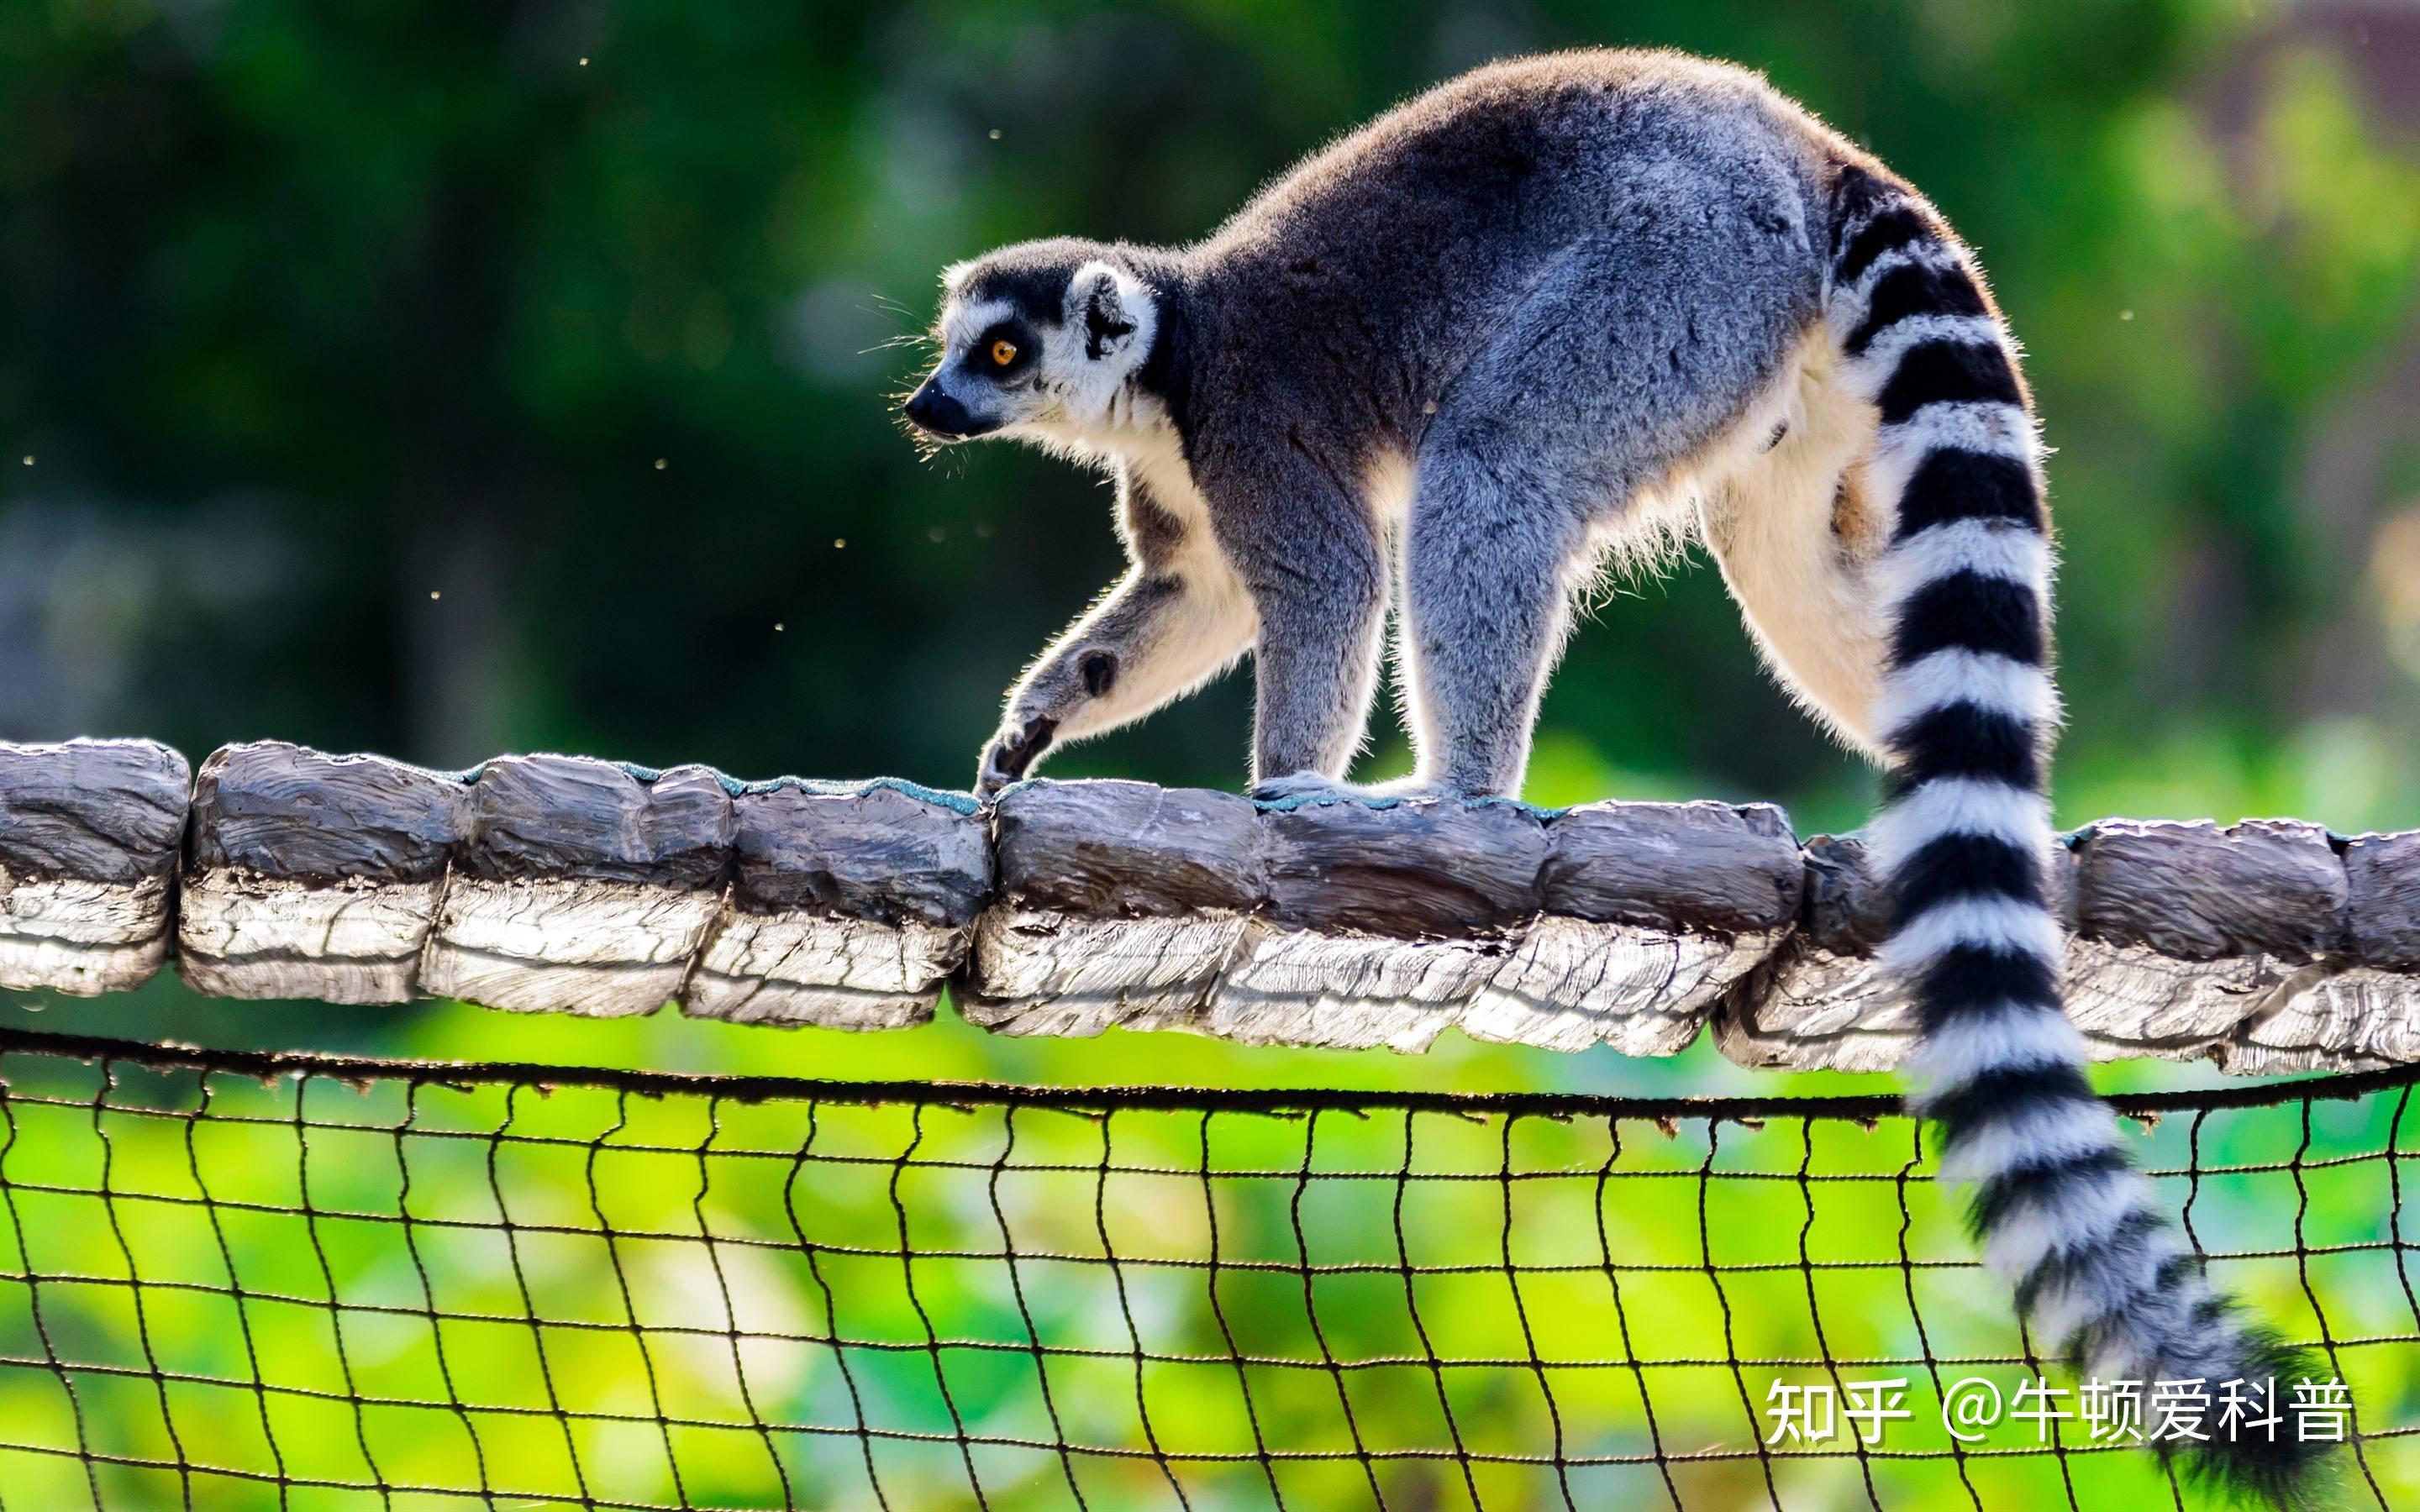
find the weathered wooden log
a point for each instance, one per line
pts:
(565, 884)
(1388, 924)
(1820, 999)
(848, 906)
(313, 876)
(2185, 940)
(2184, 933)
(2364, 1011)
(1120, 904)
(581, 886)
(1351, 925)
(1382, 922)
(1648, 912)
(88, 833)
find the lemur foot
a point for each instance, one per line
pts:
(1415, 787)
(1316, 788)
(1307, 787)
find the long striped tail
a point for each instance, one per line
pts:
(1965, 713)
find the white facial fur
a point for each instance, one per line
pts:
(1080, 396)
(1089, 360)
(961, 324)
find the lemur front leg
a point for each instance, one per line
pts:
(1177, 618)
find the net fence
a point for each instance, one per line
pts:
(249, 1280)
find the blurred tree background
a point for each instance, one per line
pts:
(445, 379)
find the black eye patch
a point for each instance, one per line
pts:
(1009, 339)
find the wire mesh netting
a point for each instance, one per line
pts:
(232, 1280)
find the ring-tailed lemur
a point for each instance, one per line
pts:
(1552, 307)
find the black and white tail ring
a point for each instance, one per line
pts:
(1966, 712)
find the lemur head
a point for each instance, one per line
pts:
(1046, 340)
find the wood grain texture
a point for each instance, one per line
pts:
(2186, 940)
(1820, 1000)
(309, 876)
(2185, 932)
(1383, 921)
(847, 908)
(2383, 924)
(88, 837)
(2357, 1007)
(1648, 913)
(1120, 904)
(562, 883)
(581, 887)
(1355, 925)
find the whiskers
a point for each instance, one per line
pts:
(930, 449)
(914, 329)
(915, 333)
(940, 454)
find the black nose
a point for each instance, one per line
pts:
(934, 411)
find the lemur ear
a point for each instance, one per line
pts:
(1112, 306)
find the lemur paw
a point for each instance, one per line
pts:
(1407, 788)
(1011, 755)
(1313, 788)
(1308, 787)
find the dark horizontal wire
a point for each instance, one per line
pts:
(321, 1483)
(997, 1346)
(265, 1064)
(1095, 1100)
(397, 1309)
(1098, 1450)
(1090, 1169)
(1711, 1455)
(1182, 1263)
(920, 1346)
(1186, 1262)
(520, 1225)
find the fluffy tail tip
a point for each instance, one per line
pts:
(2255, 1468)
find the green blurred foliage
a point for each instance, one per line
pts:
(1575, 1272)
(442, 379)
(433, 290)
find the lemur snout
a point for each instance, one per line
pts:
(936, 413)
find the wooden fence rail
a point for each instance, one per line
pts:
(562, 884)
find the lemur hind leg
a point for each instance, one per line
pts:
(1579, 427)
(1493, 548)
(1790, 517)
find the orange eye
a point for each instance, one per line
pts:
(1003, 353)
